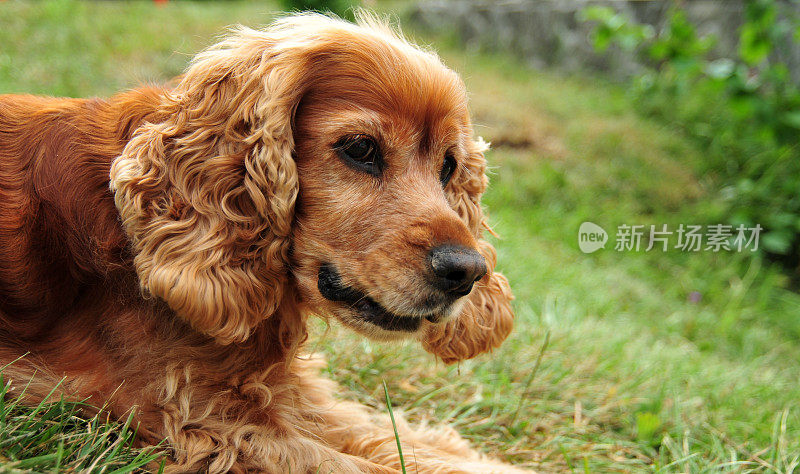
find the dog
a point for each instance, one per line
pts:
(164, 248)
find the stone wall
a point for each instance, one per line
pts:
(548, 33)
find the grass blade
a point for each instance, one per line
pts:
(530, 379)
(394, 427)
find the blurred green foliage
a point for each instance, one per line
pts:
(614, 27)
(745, 111)
(342, 8)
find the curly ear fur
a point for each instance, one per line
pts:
(487, 317)
(207, 195)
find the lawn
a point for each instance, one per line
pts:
(620, 361)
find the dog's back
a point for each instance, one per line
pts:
(60, 235)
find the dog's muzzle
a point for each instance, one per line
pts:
(332, 288)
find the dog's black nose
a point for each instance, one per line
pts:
(455, 268)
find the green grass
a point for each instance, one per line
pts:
(58, 436)
(394, 427)
(634, 376)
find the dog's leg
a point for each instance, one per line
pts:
(244, 449)
(265, 422)
(353, 429)
(276, 421)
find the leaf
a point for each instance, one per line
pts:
(777, 242)
(596, 13)
(792, 119)
(602, 39)
(721, 68)
(754, 47)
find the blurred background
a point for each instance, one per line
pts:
(618, 113)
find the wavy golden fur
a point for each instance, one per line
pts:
(163, 248)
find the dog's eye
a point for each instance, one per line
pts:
(360, 152)
(447, 168)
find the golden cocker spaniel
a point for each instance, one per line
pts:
(162, 249)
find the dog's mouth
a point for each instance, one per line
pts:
(332, 288)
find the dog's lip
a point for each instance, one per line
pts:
(332, 288)
(434, 318)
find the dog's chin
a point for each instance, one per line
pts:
(366, 316)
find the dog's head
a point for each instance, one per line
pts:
(333, 157)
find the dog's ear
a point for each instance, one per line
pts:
(206, 192)
(487, 317)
